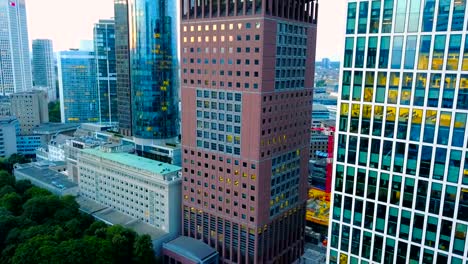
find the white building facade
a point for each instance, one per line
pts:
(400, 185)
(15, 64)
(141, 188)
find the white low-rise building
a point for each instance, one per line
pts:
(145, 189)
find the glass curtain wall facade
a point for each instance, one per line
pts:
(77, 87)
(247, 85)
(44, 66)
(154, 69)
(104, 47)
(124, 99)
(400, 186)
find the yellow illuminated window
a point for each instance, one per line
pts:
(231, 38)
(244, 175)
(231, 26)
(236, 183)
(223, 27)
(185, 39)
(367, 111)
(431, 117)
(192, 39)
(229, 138)
(239, 26)
(222, 38)
(199, 28)
(445, 119)
(378, 112)
(344, 109)
(404, 115)
(253, 177)
(215, 39)
(207, 39)
(185, 28)
(417, 116)
(215, 27)
(356, 110)
(199, 39)
(221, 179)
(391, 114)
(192, 28)
(236, 172)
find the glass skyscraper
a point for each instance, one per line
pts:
(15, 63)
(44, 67)
(153, 68)
(104, 47)
(400, 186)
(77, 86)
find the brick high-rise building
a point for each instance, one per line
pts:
(247, 77)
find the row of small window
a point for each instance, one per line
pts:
(222, 27)
(445, 166)
(223, 73)
(408, 18)
(379, 249)
(218, 116)
(219, 127)
(213, 105)
(219, 137)
(291, 51)
(433, 122)
(222, 84)
(222, 50)
(222, 61)
(402, 88)
(290, 74)
(220, 208)
(276, 209)
(378, 52)
(214, 39)
(220, 158)
(291, 62)
(291, 40)
(218, 147)
(286, 28)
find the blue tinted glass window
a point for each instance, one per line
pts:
(453, 52)
(397, 50)
(348, 57)
(372, 52)
(375, 16)
(459, 130)
(351, 21)
(400, 16)
(384, 52)
(458, 15)
(463, 93)
(410, 52)
(428, 16)
(449, 90)
(443, 15)
(424, 51)
(363, 14)
(360, 50)
(439, 52)
(414, 14)
(387, 16)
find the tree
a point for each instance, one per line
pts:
(36, 192)
(54, 112)
(143, 250)
(12, 202)
(6, 179)
(41, 208)
(22, 186)
(6, 189)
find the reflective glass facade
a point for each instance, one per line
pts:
(401, 181)
(104, 46)
(153, 68)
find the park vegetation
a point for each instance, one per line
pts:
(39, 227)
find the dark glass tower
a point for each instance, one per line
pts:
(104, 46)
(124, 101)
(153, 68)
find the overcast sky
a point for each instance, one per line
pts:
(67, 22)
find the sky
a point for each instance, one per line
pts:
(67, 22)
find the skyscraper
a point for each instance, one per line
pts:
(77, 86)
(44, 67)
(15, 64)
(104, 46)
(152, 73)
(247, 83)
(401, 177)
(124, 101)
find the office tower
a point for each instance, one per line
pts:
(31, 110)
(77, 87)
(104, 45)
(401, 178)
(247, 83)
(43, 67)
(122, 54)
(9, 128)
(15, 64)
(148, 73)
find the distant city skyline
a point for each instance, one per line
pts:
(68, 22)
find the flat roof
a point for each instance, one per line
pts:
(135, 161)
(52, 128)
(114, 217)
(42, 173)
(190, 248)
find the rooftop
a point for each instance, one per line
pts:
(40, 171)
(53, 128)
(190, 248)
(114, 217)
(134, 161)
